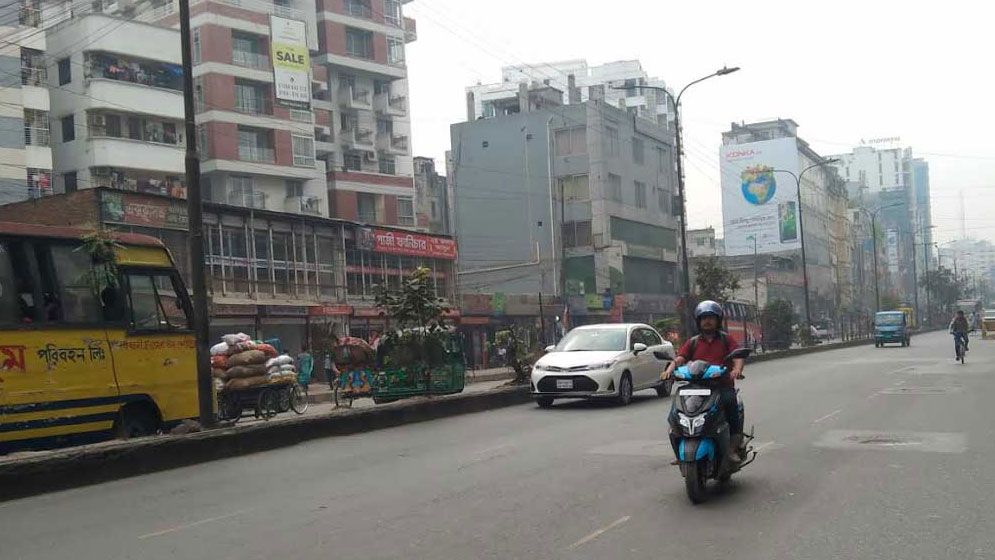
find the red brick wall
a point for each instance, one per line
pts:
(215, 44)
(390, 209)
(346, 206)
(322, 117)
(222, 138)
(80, 208)
(331, 39)
(219, 91)
(371, 179)
(283, 148)
(380, 48)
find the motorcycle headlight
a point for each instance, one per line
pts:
(692, 423)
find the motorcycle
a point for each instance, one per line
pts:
(699, 431)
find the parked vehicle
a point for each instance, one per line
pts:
(988, 324)
(97, 339)
(892, 327)
(699, 430)
(603, 361)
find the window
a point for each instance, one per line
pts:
(195, 38)
(640, 194)
(359, 8)
(577, 234)
(73, 301)
(247, 50)
(392, 12)
(68, 128)
(352, 161)
(295, 188)
(254, 145)
(571, 141)
(303, 148)
(575, 187)
(385, 126)
(69, 182)
(395, 50)
(366, 207)
(663, 201)
(358, 43)
(20, 293)
(65, 71)
(612, 135)
(614, 187)
(663, 160)
(156, 304)
(638, 233)
(36, 131)
(252, 98)
(388, 165)
(700, 241)
(638, 151)
(405, 211)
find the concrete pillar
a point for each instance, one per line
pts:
(471, 107)
(523, 97)
(573, 94)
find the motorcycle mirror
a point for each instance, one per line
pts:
(738, 354)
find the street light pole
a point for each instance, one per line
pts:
(678, 146)
(801, 229)
(874, 240)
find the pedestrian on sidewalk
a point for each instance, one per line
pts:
(305, 367)
(331, 372)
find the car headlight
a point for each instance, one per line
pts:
(603, 365)
(540, 367)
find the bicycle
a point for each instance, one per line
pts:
(959, 347)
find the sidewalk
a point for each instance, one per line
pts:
(320, 392)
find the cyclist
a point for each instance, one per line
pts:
(959, 328)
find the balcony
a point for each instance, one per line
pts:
(310, 205)
(250, 60)
(29, 16)
(353, 97)
(358, 138)
(253, 106)
(247, 199)
(392, 144)
(36, 136)
(257, 154)
(358, 9)
(147, 73)
(396, 105)
(34, 76)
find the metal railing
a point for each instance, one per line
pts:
(357, 8)
(250, 59)
(257, 154)
(34, 76)
(311, 205)
(254, 106)
(34, 136)
(248, 199)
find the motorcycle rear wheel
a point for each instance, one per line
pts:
(694, 482)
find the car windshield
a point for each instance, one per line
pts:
(593, 340)
(888, 320)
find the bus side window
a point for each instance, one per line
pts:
(18, 298)
(68, 285)
(155, 303)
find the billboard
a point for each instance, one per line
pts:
(291, 62)
(758, 202)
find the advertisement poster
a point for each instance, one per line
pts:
(757, 201)
(892, 245)
(291, 62)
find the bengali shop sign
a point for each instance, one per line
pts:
(413, 244)
(138, 210)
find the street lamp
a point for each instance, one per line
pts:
(874, 240)
(756, 284)
(801, 228)
(685, 269)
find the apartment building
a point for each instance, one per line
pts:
(361, 47)
(25, 130)
(431, 196)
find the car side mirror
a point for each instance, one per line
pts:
(550, 348)
(638, 347)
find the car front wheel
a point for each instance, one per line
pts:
(624, 390)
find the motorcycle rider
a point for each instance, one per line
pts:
(959, 328)
(712, 344)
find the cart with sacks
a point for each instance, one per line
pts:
(252, 379)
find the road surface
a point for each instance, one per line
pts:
(865, 453)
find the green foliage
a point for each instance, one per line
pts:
(777, 318)
(943, 287)
(102, 248)
(889, 302)
(714, 281)
(516, 346)
(419, 342)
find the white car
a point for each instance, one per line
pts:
(603, 361)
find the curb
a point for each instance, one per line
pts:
(84, 466)
(328, 396)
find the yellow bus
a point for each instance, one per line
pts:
(85, 357)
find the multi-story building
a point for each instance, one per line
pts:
(117, 104)
(361, 48)
(257, 144)
(431, 196)
(25, 133)
(573, 201)
(701, 242)
(768, 149)
(491, 100)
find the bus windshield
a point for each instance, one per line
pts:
(888, 319)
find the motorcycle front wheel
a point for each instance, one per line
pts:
(694, 482)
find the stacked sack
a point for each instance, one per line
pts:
(237, 362)
(281, 369)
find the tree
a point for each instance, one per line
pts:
(943, 287)
(714, 280)
(419, 343)
(516, 347)
(889, 302)
(777, 318)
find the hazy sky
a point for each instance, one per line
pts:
(843, 70)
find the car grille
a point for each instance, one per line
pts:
(574, 368)
(582, 383)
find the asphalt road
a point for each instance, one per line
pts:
(865, 453)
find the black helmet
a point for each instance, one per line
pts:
(708, 307)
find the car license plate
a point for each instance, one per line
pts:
(564, 383)
(696, 392)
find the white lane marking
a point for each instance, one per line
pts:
(828, 416)
(191, 524)
(600, 532)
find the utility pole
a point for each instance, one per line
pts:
(198, 277)
(915, 278)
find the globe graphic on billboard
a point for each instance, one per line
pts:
(758, 184)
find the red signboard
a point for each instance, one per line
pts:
(330, 310)
(413, 244)
(366, 312)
